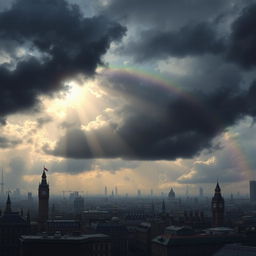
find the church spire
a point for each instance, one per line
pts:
(8, 208)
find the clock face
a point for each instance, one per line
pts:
(43, 193)
(214, 205)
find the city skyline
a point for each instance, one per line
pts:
(129, 95)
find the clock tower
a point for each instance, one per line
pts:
(217, 208)
(43, 198)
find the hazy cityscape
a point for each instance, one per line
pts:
(114, 224)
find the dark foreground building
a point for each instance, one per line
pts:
(194, 245)
(84, 245)
(12, 226)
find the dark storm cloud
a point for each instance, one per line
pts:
(157, 125)
(71, 166)
(197, 36)
(163, 12)
(242, 48)
(64, 44)
(204, 173)
(193, 39)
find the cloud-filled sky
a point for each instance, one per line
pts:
(134, 94)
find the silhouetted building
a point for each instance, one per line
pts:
(78, 204)
(253, 190)
(217, 208)
(171, 194)
(201, 192)
(12, 226)
(118, 234)
(43, 198)
(236, 250)
(30, 198)
(163, 207)
(194, 219)
(179, 231)
(190, 245)
(86, 245)
(63, 226)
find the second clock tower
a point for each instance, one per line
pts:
(217, 208)
(43, 198)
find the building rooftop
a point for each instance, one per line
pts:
(201, 239)
(62, 239)
(61, 221)
(237, 250)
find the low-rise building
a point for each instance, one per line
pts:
(82, 245)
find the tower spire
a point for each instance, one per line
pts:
(44, 178)
(8, 208)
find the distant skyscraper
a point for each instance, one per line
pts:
(217, 208)
(2, 183)
(106, 191)
(30, 198)
(151, 192)
(201, 192)
(116, 192)
(78, 204)
(139, 192)
(187, 192)
(253, 190)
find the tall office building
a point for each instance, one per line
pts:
(253, 190)
(78, 204)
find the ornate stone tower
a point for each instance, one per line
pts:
(217, 208)
(43, 198)
(171, 195)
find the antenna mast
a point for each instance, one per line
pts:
(2, 183)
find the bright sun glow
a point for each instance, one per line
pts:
(78, 97)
